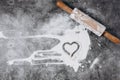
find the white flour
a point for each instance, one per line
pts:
(73, 47)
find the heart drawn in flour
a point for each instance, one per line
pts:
(71, 48)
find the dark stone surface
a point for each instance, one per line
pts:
(105, 11)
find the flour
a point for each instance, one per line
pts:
(73, 46)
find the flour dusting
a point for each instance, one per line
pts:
(73, 46)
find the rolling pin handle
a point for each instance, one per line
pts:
(64, 6)
(111, 37)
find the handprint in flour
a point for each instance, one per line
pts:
(71, 49)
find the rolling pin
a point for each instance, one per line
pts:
(90, 24)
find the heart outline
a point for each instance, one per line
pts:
(78, 46)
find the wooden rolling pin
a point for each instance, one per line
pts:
(91, 24)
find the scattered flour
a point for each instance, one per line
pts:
(73, 47)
